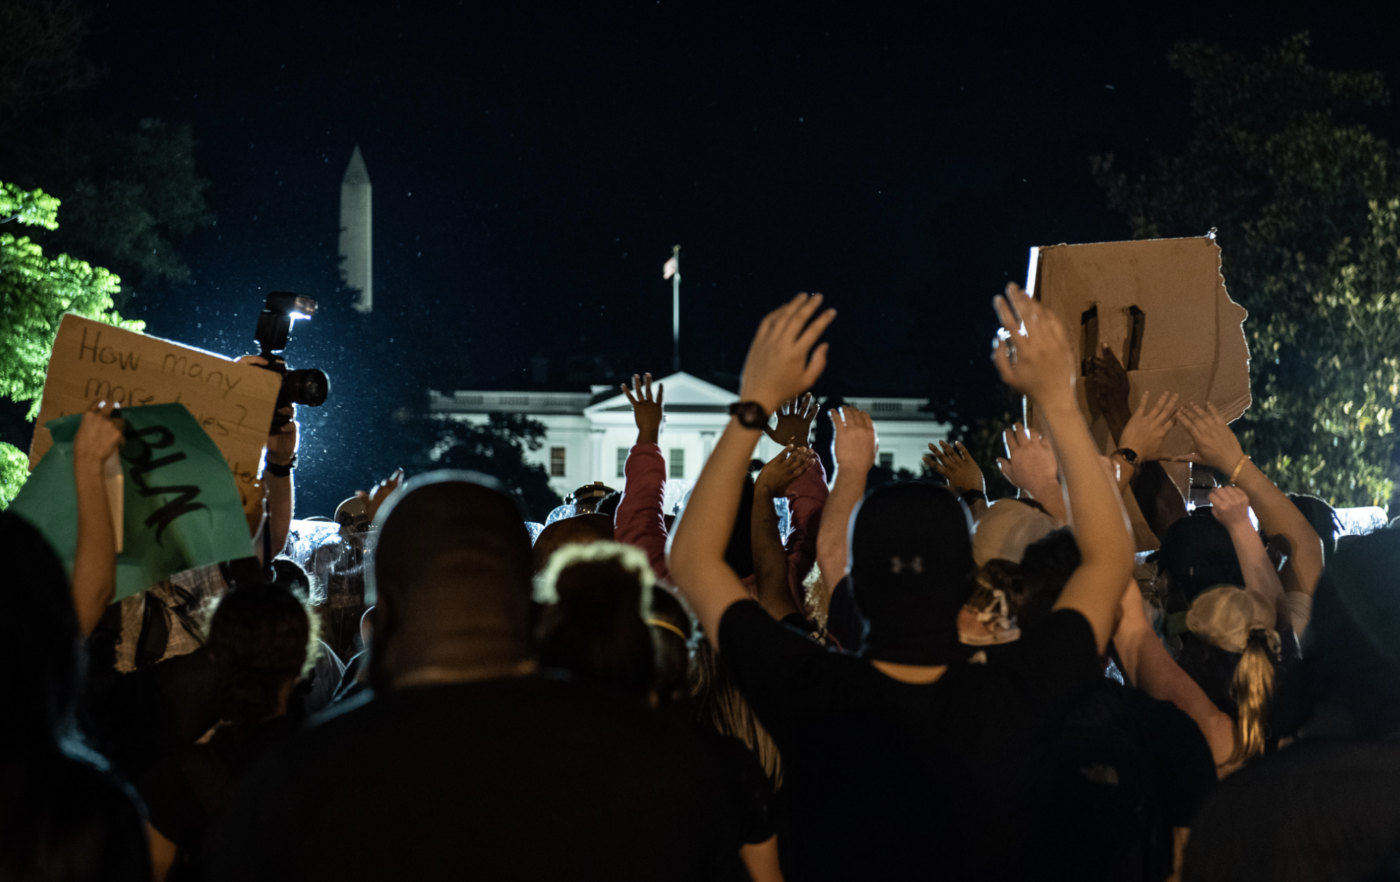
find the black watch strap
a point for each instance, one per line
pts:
(1129, 456)
(751, 414)
(973, 495)
(280, 471)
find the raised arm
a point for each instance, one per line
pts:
(641, 518)
(95, 564)
(964, 475)
(778, 367)
(806, 505)
(853, 447)
(1030, 466)
(770, 560)
(1230, 506)
(1150, 668)
(1217, 446)
(277, 475)
(1157, 496)
(1034, 357)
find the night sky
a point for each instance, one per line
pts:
(533, 164)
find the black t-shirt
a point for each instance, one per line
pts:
(535, 778)
(748, 793)
(1123, 771)
(886, 779)
(192, 787)
(64, 820)
(1313, 811)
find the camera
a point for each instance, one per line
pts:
(308, 386)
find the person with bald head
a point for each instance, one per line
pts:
(466, 759)
(584, 529)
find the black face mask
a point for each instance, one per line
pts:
(911, 567)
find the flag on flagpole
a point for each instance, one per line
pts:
(672, 267)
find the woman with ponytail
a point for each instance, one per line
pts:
(1233, 651)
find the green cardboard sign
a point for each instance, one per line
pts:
(181, 507)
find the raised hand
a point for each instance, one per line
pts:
(99, 434)
(94, 578)
(1029, 463)
(782, 362)
(1148, 427)
(1106, 385)
(794, 422)
(953, 462)
(790, 464)
(1230, 506)
(646, 408)
(282, 443)
(854, 444)
(1216, 445)
(1032, 351)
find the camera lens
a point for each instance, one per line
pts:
(308, 386)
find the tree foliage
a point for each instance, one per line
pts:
(497, 448)
(41, 51)
(35, 293)
(128, 193)
(1301, 194)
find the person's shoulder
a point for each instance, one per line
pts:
(85, 812)
(747, 620)
(91, 794)
(1252, 819)
(1065, 635)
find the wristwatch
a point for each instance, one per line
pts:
(1129, 456)
(750, 413)
(970, 496)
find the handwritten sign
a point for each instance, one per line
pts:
(180, 509)
(232, 402)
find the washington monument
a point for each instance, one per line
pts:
(356, 232)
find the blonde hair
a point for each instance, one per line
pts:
(629, 557)
(724, 709)
(1253, 689)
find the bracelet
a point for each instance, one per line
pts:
(970, 496)
(280, 471)
(1236, 473)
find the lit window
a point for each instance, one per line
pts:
(678, 462)
(622, 462)
(887, 460)
(556, 462)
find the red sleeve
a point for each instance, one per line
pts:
(806, 498)
(640, 520)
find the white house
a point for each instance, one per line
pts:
(588, 434)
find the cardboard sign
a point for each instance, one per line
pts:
(1161, 305)
(180, 507)
(232, 402)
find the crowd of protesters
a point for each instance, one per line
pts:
(798, 676)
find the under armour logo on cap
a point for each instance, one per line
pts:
(913, 565)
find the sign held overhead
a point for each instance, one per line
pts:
(1162, 307)
(232, 402)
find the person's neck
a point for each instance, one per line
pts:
(438, 675)
(916, 674)
(461, 660)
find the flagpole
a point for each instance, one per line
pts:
(676, 311)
